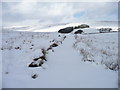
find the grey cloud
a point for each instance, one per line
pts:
(58, 12)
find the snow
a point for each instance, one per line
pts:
(104, 50)
(90, 30)
(65, 66)
(56, 27)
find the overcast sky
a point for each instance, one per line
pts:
(53, 12)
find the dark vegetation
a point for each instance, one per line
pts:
(104, 30)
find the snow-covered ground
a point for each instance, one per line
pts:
(56, 27)
(79, 61)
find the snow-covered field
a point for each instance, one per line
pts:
(79, 61)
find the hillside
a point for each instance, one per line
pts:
(87, 60)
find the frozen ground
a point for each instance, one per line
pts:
(79, 61)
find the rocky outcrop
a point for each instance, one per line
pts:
(78, 32)
(82, 26)
(40, 60)
(66, 30)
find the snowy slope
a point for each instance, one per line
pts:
(87, 60)
(56, 27)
